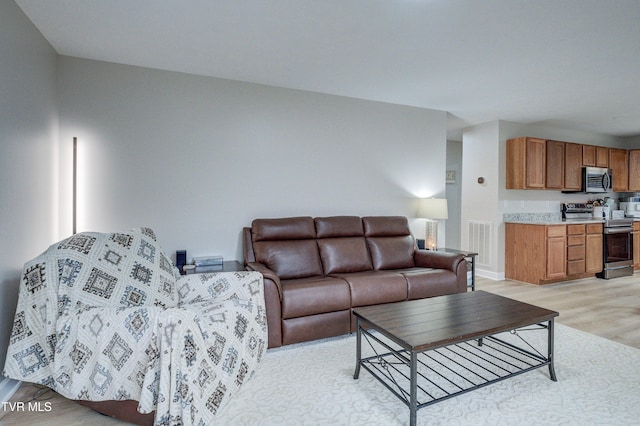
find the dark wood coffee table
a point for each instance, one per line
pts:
(428, 350)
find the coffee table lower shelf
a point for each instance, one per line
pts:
(420, 379)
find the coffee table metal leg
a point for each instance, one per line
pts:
(358, 349)
(413, 392)
(552, 371)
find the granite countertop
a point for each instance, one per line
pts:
(547, 219)
(553, 221)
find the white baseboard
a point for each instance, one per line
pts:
(7, 388)
(496, 276)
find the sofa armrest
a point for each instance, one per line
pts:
(438, 260)
(267, 273)
(273, 300)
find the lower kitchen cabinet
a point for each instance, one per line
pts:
(535, 253)
(594, 248)
(556, 251)
(576, 252)
(544, 254)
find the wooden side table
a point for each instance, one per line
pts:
(471, 258)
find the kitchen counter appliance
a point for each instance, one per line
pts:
(631, 206)
(617, 239)
(617, 248)
(596, 179)
(577, 211)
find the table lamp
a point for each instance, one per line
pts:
(432, 209)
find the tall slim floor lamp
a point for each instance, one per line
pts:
(75, 183)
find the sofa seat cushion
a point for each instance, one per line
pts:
(375, 287)
(424, 282)
(314, 295)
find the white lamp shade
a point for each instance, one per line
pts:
(433, 208)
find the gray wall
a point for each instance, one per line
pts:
(28, 154)
(195, 158)
(198, 158)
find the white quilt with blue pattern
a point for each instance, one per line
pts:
(106, 316)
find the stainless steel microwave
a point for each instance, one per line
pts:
(596, 179)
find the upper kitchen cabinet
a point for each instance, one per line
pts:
(619, 165)
(554, 178)
(534, 163)
(564, 166)
(589, 155)
(602, 156)
(595, 156)
(572, 166)
(526, 163)
(634, 170)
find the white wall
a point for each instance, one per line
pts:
(454, 194)
(481, 158)
(198, 158)
(28, 154)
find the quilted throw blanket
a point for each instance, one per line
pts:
(106, 316)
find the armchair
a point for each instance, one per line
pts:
(106, 317)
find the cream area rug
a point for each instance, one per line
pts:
(312, 384)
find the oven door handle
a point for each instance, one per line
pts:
(620, 230)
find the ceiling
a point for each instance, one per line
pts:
(570, 63)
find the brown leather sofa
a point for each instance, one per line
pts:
(316, 270)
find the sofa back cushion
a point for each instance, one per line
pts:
(342, 255)
(389, 241)
(289, 228)
(287, 246)
(342, 245)
(339, 226)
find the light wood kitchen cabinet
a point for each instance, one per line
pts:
(584, 250)
(589, 155)
(526, 163)
(535, 253)
(554, 172)
(572, 166)
(602, 156)
(595, 156)
(634, 170)
(636, 246)
(594, 248)
(544, 254)
(556, 251)
(619, 165)
(575, 249)
(534, 163)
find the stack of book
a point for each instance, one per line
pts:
(208, 263)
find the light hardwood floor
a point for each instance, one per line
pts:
(607, 308)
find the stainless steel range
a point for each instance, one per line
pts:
(617, 239)
(618, 248)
